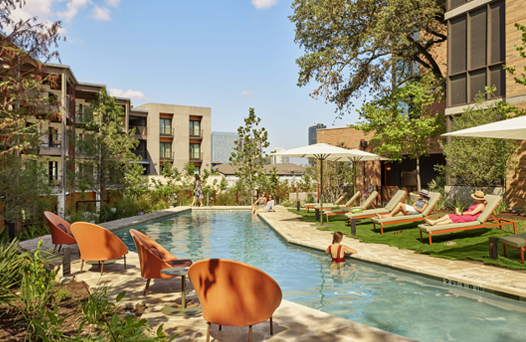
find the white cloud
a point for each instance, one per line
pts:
(113, 3)
(73, 8)
(101, 13)
(247, 92)
(130, 94)
(264, 3)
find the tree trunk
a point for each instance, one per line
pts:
(418, 183)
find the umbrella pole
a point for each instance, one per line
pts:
(321, 191)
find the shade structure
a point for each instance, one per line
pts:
(324, 152)
(506, 129)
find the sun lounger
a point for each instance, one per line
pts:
(348, 204)
(312, 205)
(514, 241)
(493, 203)
(342, 211)
(397, 198)
(434, 197)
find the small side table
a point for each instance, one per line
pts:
(183, 272)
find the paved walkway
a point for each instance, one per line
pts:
(292, 322)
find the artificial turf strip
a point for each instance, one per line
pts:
(471, 244)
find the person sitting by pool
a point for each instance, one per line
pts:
(262, 200)
(269, 207)
(337, 250)
(406, 209)
(470, 215)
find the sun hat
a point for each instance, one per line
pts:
(424, 193)
(479, 195)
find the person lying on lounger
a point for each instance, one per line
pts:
(406, 209)
(470, 215)
(337, 250)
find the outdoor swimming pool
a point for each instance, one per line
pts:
(395, 301)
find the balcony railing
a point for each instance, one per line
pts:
(166, 155)
(141, 153)
(140, 130)
(196, 155)
(196, 133)
(166, 131)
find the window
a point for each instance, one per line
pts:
(53, 172)
(165, 127)
(53, 137)
(476, 53)
(166, 150)
(197, 170)
(195, 151)
(195, 128)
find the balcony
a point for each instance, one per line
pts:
(166, 156)
(196, 133)
(49, 147)
(142, 153)
(196, 156)
(141, 132)
(166, 132)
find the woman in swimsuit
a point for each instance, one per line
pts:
(262, 200)
(338, 251)
(470, 215)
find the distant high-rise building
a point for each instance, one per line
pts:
(223, 144)
(278, 159)
(313, 137)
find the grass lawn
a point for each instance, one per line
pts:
(471, 244)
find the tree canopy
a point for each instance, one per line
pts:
(352, 46)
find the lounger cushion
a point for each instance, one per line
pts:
(367, 212)
(516, 241)
(369, 199)
(434, 197)
(396, 218)
(398, 196)
(492, 203)
(341, 210)
(437, 228)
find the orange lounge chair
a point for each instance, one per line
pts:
(60, 230)
(154, 258)
(329, 205)
(342, 211)
(434, 197)
(397, 198)
(232, 293)
(492, 204)
(97, 244)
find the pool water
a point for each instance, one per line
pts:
(399, 302)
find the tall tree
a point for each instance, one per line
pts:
(105, 150)
(403, 123)
(248, 157)
(478, 162)
(24, 46)
(352, 46)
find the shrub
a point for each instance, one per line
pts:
(11, 267)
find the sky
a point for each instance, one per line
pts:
(228, 55)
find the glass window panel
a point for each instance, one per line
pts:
(477, 82)
(458, 44)
(497, 78)
(478, 38)
(497, 32)
(458, 89)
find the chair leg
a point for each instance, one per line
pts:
(147, 286)
(125, 262)
(522, 255)
(208, 332)
(102, 268)
(430, 241)
(382, 229)
(249, 333)
(59, 248)
(219, 327)
(81, 265)
(374, 227)
(421, 240)
(504, 250)
(271, 328)
(54, 249)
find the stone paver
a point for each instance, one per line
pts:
(489, 277)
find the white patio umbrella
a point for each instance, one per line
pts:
(324, 152)
(506, 129)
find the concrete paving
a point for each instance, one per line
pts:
(292, 322)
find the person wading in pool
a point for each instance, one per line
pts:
(338, 251)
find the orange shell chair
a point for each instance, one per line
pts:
(154, 258)
(59, 235)
(234, 294)
(97, 244)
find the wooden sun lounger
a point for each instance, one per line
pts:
(342, 211)
(397, 198)
(312, 205)
(434, 197)
(493, 203)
